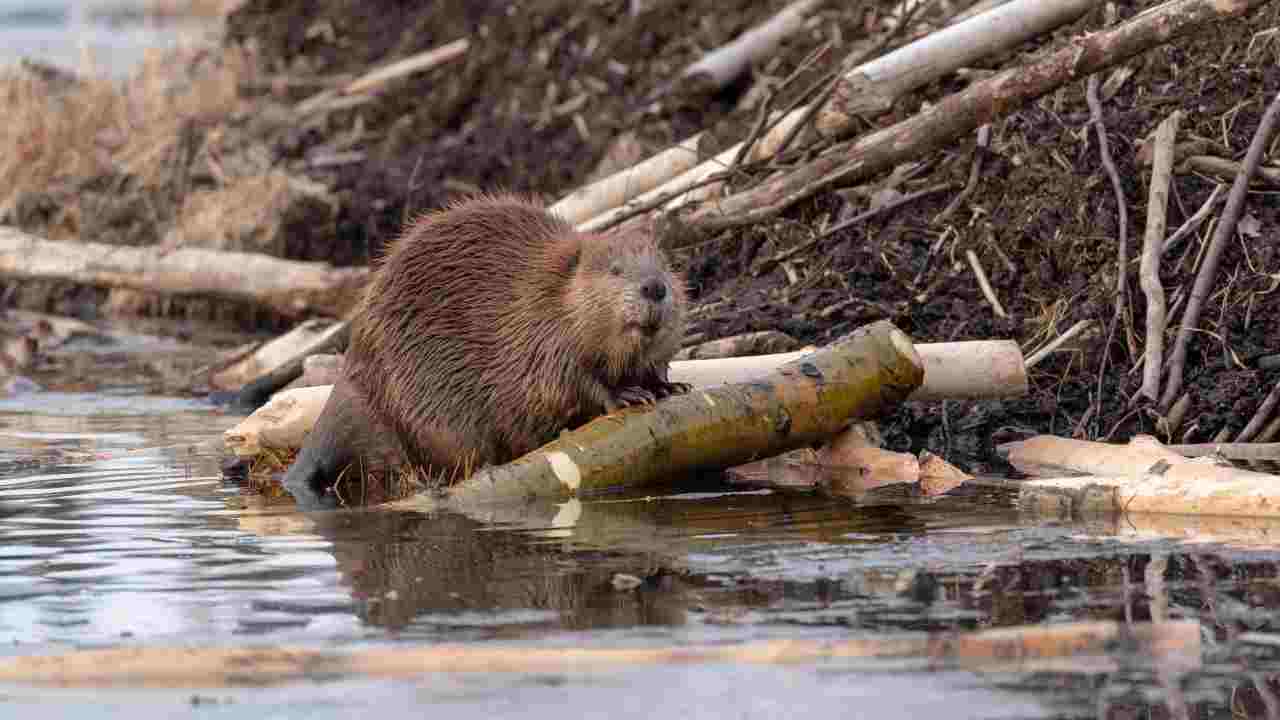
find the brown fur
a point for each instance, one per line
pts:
(488, 328)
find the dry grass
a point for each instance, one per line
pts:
(59, 132)
(244, 215)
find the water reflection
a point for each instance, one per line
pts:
(119, 528)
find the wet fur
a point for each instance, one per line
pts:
(487, 329)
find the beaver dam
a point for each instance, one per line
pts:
(973, 408)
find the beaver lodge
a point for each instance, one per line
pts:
(1068, 220)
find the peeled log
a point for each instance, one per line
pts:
(804, 402)
(291, 288)
(969, 370)
(1141, 477)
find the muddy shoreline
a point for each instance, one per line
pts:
(554, 94)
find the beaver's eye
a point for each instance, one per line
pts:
(571, 263)
(615, 270)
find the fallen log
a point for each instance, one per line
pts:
(962, 113)
(1168, 644)
(285, 369)
(970, 370)
(803, 402)
(306, 338)
(293, 289)
(721, 66)
(980, 369)
(1141, 477)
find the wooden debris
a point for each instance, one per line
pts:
(964, 112)
(802, 403)
(866, 468)
(721, 66)
(755, 343)
(937, 476)
(296, 344)
(872, 87)
(983, 369)
(283, 423)
(1141, 477)
(1174, 644)
(1152, 242)
(378, 78)
(291, 288)
(332, 338)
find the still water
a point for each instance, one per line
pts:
(118, 529)
(107, 36)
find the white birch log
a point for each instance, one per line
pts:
(290, 287)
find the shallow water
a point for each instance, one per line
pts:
(108, 36)
(117, 528)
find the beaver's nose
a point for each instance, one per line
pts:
(655, 290)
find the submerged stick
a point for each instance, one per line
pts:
(804, 402)
(1023, 647)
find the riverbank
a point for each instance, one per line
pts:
(222, 149)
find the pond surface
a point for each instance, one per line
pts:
(117, 529)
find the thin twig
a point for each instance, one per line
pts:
(1194, 222)
(768, 263)
(1104, 151)
(1261, 416)
(1149, 269)
(1122, 263)
(756, 131)
(660, 201)
(975, 169)
(1209, 268)
(1049, 347)
(837, 78)
(985, 285)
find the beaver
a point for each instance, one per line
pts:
(486, 329)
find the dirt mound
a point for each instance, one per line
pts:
(533, 106)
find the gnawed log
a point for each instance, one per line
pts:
(304, 339)
(802, 403)
(1168, 644)
(979, 369)
(291, 288)
(259, 389)
(1141, 477)
(972, 370)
